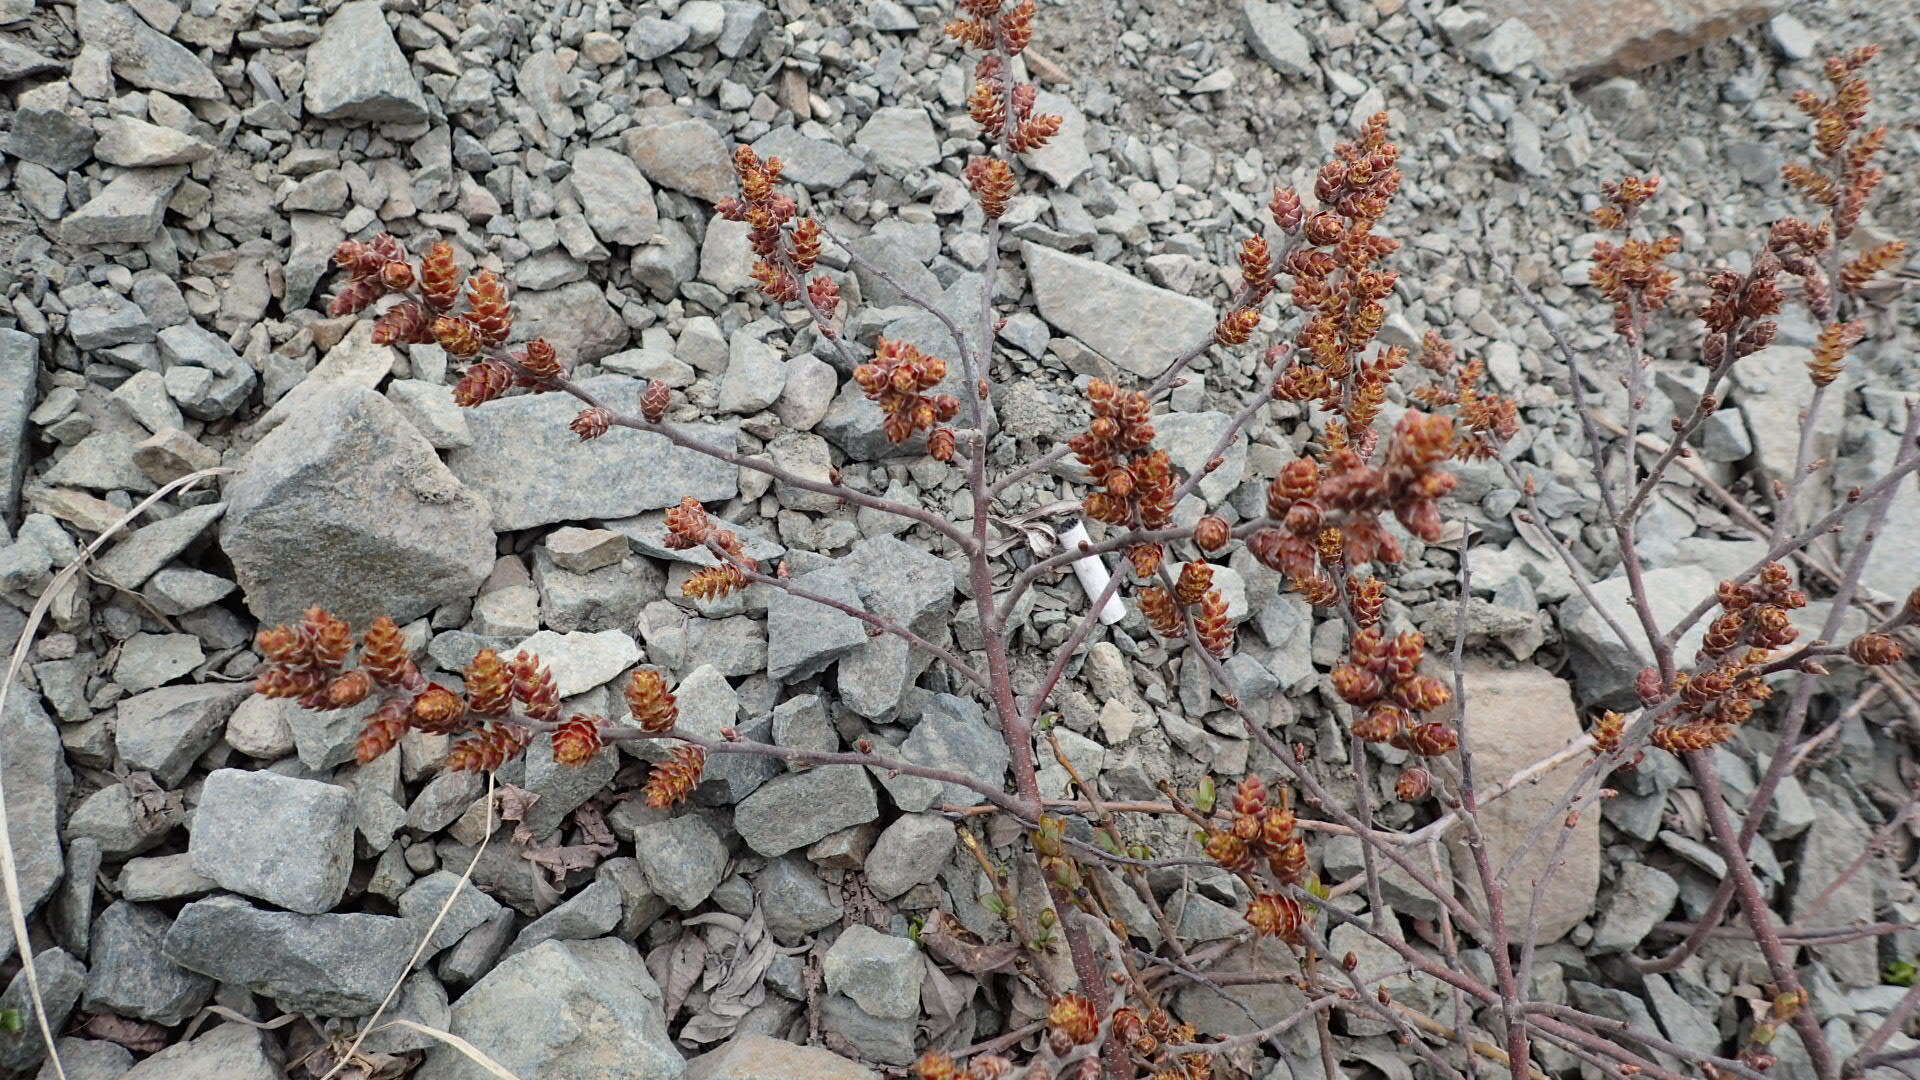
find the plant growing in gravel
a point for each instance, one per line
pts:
(1336, 525)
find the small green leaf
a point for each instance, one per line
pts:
(1205, 797)
(10, 1020)
(1901, 973)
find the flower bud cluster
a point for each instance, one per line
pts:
(898, 379)
(1712, 701)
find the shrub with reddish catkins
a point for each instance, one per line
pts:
(349, 689)
(384, 655)
(459, 335)
(533, 686)
(1276, 916)
(688, 525)
(1607, 731)
(672, 780)
(489, 684)
(1873, 650)
(1162, 611)
(577, 739)
(1413, 784)
(898, 379)
(540, 359)
(487, 751)
(440, 278)
(1134, 483)
(1072, 1021)
(382, 731)
(1368, 471)
(438, 710)
(487, 307)
(481, 383)
(992, 184)
(592, 423)
(653, 403)
(714, 582)
(1211, 624)
(649, 703)
(405, 323)
(1211, 533)
(1690, 738)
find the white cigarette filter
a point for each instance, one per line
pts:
(1092, 572)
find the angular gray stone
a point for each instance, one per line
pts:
(1506, 47)
(136, 144)
(191, 346)
(33, 768)
(164, 730)
(228, 1052)
(162, 877)
(883, 1039)
(103, 461)
(1189, 440)
(91, 1059)
(283, 840)
(322, 965)
(422, 901)
(590, 913)
(1637, 898)
(909, 852)
(580, 660)
(114, 320)
(48, 132)
(131, 976)
(817, 164)
(1065, 158)
(562, 788)
(348, 475)
(19, 369)
(793, 899)
(798, 808)
(17, 61)
(150, 660)
(127, 211)
(615, 196)
(879, 972)
(1830, 849)
(600, 1018)
(356, 70)
(142, 55)
(900, 139)
(61, 979)
(576, 319)
(1133, 324)
(651, 38)
(1272, 30)
(680, 151)
(803, 636)
(683, 859)
(754, 378)
(1604, 667)
(758, 1057)
(140, 555)
(121, 826)
(952, 734)
(533, 471)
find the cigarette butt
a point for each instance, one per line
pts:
(1092, 572)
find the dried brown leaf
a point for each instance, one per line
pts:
(955, 944)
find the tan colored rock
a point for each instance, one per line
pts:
(1594, 39)
(1515, 717)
